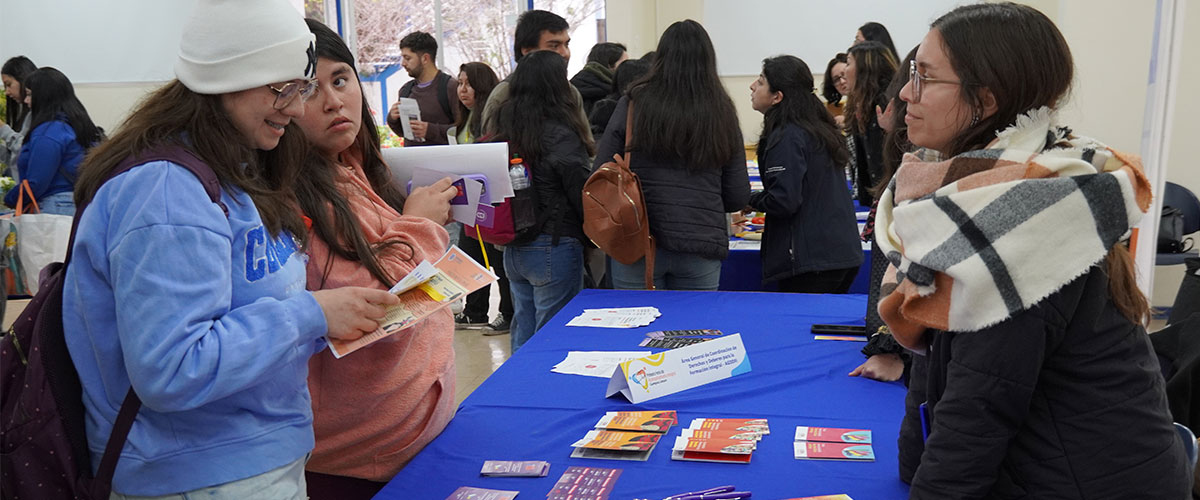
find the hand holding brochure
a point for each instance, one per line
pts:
(424, 291)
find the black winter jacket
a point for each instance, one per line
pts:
(810, 218)
(558, 180)
(1063, 400)
(594, 82)
(687, 206)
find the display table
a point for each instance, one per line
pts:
(741, 271)
(525, 412)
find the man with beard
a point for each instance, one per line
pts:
(435, 91)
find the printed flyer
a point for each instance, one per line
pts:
(672, 371)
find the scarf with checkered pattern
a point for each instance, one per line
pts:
(976, 238)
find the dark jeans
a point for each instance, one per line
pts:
(830, 281)
(476, 307)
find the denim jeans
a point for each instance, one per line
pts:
(543, 278)
(282, 483)
(58, 203)
(672, 271)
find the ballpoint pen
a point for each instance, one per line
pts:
(718, 493)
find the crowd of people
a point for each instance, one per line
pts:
(1002, 290)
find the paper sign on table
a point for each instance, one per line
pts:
(672, 371)
(810, 450)
(832, 435)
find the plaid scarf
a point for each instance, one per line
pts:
(974, 239)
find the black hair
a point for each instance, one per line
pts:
(606, 53)
(420, 42)
(53, 98)
(332, 216)
(829, 87)
(874, 68)
(1015, 52)
(482, 80)
(18, 68)
(628, 73)
(875, 32)
(799, 106)
(539, 93)
(682, 111)
(530, 26)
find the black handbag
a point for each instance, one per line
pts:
(1170, 232)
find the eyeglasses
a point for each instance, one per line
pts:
(918, 80)
(287, 94)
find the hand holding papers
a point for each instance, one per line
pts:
(409, 111)
(616, 317)
(425, 290)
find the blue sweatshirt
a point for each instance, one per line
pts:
(206, 316)
(48, 160)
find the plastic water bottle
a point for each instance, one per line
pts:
(516, 173)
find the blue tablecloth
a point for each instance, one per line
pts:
(525, 412)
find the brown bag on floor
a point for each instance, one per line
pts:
(614, 211)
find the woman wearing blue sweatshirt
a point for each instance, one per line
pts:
(201, 311)
(60, 134)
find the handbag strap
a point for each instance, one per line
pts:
(21, 191)
(652, 248)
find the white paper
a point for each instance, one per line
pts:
(462, 213)
(488, 158)
(619, 317)
(595, 363)
(409, 111)
(668, 372)
(745, 245)
(418, 275)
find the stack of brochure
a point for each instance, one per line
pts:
(515, 468)
(616, 317)
(725, 440)
(625, 435)
(825, 443)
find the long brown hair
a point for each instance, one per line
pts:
(539, 94)
(333, 219)
(482, 80)
(1018, 54)
(874, 67)
(174, 115)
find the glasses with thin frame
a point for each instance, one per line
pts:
(918, 80)
(284, 96)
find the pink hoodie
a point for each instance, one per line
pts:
(374, 409)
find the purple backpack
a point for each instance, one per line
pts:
(43, 442)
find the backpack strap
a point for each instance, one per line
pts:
(406, 89)
(444, 96)
(102, 483)
(651, 248)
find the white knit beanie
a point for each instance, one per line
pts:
(234, 45)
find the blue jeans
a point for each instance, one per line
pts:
(543, 278)
(58, 203)
(672, 271)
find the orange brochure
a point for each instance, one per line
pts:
(652, 421)
(424, 291)
(718, 434)
(618, 440)
(734, 424)
(729, 446)
(700, 456)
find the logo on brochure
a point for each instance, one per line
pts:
(644, 381)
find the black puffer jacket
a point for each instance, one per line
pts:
(810, 218)
(687, 207)
(594, 82)
(1063, 400)
(558, 180)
